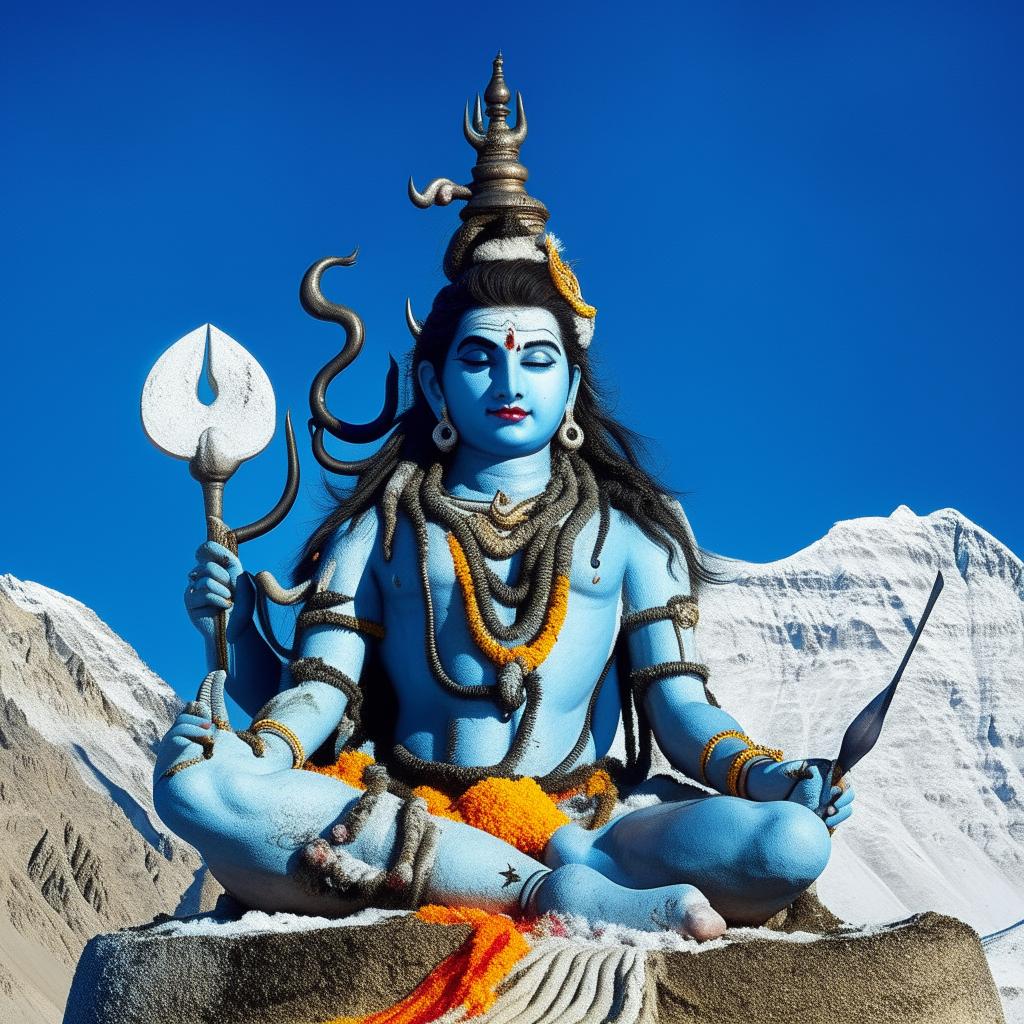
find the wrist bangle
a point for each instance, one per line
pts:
(741, 783)
(710, 746)
(742, 758)
(282, 730)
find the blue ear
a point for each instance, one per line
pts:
(574, 387)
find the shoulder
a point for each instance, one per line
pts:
(650, 557)
(360, 531)
(349, 549)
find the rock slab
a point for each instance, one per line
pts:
(929, 969)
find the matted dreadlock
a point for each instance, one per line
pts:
(613, 451)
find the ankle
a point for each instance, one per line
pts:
(528, 893)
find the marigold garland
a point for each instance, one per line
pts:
(348, 767)
(517, 811)
(531, 654)
(468, 979)
(438, 803)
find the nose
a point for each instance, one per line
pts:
(507, 379)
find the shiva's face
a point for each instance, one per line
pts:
(505, 380)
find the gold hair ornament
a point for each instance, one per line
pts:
(566, 281)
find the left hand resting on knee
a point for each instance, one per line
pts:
(806, 781)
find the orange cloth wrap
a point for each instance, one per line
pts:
(469, 978)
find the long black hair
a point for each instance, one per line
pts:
(613, 451)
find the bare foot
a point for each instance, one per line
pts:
(578, 889)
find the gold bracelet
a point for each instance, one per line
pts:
(282, 730)
(742, 758)
(710, 746)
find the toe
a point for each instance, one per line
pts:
(703, 922)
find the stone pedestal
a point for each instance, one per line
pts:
(929, 969)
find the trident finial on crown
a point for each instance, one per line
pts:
(497, 96)
(497, 190)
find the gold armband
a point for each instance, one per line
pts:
(282, 730)
(710, 746)
(742, 758)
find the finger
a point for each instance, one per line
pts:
(215, 571)
(840, 816)
(842, 799)
(212, 586)
(209, 604)
(197, 601)
(187, 719)
(211, 551)
(196, 733)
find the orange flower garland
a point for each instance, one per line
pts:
(519, 812)
(348, 768)
(515, 810)
(439, 803)
(533, 653)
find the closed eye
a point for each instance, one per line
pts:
(540, 354)
(477, 357)
(474, 351)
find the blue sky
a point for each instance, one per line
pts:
(801, 223)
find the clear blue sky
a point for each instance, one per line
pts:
(801, 223)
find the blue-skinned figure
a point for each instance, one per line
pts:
(501, 586)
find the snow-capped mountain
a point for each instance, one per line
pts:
(82, 850)
(117, 711)
(797, 647)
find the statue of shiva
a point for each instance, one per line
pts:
(500, 588)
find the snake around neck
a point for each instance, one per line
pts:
(542, 530)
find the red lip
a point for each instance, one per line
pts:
(512, 413)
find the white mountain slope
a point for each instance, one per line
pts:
(797, 647)
(121, 708)
(82, 850)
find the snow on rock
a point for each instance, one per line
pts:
(110, 719)
(797, 647)
(1005, 953)
(258, 922)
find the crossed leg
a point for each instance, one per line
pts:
(749, 859)
(252, 827)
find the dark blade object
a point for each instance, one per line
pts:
(864, 730)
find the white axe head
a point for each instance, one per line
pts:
(241, 417)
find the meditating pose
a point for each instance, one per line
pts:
(499, 590)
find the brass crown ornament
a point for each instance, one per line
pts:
(501, 220)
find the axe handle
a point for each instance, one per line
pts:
(213, 504)
(835, 774)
